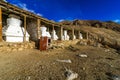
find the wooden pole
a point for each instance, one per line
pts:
(53, 31)
(87, 34)
(73, 33)
(0, 24)
(61, 32)
(38, 28)
(24, 38)
(78, 34)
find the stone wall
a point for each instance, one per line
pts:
(70, 34)
(9, 47)
(32, 29)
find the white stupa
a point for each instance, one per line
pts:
(65, 35)
(44, 33)
(55, 37)
(74, 37)
(80, 36)
(13, 32)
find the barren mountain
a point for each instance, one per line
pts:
(106, 33)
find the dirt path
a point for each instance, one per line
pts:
(36, 65)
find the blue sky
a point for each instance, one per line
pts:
(59, 10)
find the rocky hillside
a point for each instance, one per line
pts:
(94, 23)
(106, 33)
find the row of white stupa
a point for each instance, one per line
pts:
(13, 32)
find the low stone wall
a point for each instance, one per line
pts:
(62, 44)
(85, 42)
(16, 46)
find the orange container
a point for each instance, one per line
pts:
(43, 43)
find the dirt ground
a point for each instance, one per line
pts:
(44, 65)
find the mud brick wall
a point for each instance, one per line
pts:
(32, 29)
(69, 32)
(0, 24)
(77, 34)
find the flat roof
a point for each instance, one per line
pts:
(12, 8)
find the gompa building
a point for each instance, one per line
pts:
(18, 25)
